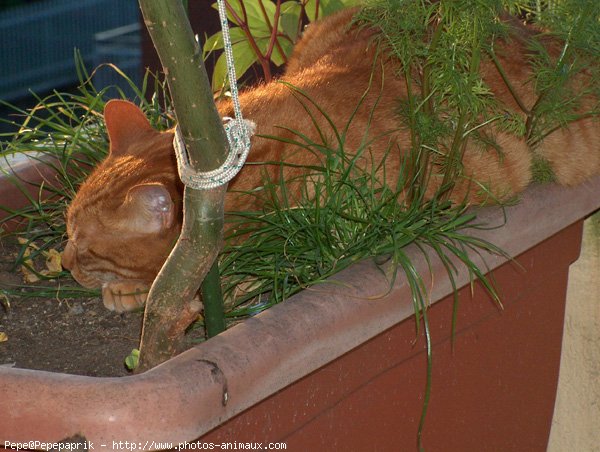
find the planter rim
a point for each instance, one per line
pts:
(187, 396)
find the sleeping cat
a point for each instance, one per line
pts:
(126, 216)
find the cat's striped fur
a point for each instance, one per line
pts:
(126, 216)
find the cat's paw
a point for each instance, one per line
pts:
(124, 295)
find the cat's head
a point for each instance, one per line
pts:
(126, 216)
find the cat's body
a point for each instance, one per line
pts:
(126, 216)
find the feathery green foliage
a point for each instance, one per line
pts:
(441, 46)
(576, 24)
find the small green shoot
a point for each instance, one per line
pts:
(132, 360)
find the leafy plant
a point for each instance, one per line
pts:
(348, 208)
(575, 23)
(264, 32)
(344, 214)
(441, 46)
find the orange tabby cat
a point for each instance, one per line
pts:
(127, 215)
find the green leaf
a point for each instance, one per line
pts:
(290, 18)
(133, 359)
(349, 3)
(331, 6)
(326, 7)
(215, 42)
(254, 15)
(291, 7)
(276, 56)
(243, 56)
(312, 12)
(287, 47)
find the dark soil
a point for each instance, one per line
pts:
(76, 336)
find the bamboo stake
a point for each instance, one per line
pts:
(171, 306)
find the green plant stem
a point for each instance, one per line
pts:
(429, 106)
(459, 142)
(532, 118)
(170, 306)
(428, 379)
(589, 114)
(415, 143)
(454, 156)
(429, 109)
(273, 41)
(214, 311)
(506, 81)
(212, 296)
(566, 50)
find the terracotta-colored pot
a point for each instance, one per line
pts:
(340, 366)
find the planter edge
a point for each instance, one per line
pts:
(196, 391)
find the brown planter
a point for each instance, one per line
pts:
(28, 174)
(337, 366)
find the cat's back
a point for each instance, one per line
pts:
(335, 39)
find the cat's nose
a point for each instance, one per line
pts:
(68, 257)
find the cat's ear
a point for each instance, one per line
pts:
(148, 208)
(125, 123)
